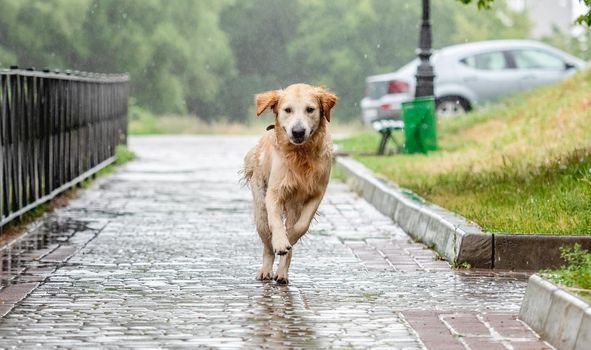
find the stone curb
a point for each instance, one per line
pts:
(451, 234)
(531, 251)
(559, 317)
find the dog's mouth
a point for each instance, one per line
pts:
(297, 140)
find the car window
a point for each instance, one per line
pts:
(536, 59)
(486, 61)
(376, 89)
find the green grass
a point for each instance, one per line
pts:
(337, 174)
(522, 166)
(576, 274)
(122, 156)
(148, 124)
(143, 122)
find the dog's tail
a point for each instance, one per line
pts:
(245, 176)
(246, 172)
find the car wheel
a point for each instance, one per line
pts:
(449, 107)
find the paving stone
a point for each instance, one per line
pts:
(466, 325)
(60, 254)
(164, 253)
(484, 344)
(16, 292)
(531, 345)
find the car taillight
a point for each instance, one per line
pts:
(385, 106)
(397, 86)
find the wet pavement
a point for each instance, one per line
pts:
(163, 254)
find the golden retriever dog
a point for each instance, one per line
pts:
(288, 170)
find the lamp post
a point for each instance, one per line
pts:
(420, 134)
(425, 73)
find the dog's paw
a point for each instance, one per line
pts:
(282, 251)
(264, 275)
(281, 246)
(281, 279)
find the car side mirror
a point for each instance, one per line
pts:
(569, 66)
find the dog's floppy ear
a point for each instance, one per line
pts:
(266, 100)
(327, 100)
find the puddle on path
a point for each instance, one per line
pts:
(28, 250)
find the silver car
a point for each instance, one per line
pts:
(470, 74)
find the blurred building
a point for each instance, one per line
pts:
(545, 14)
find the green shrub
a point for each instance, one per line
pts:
(141, 121)
(577, 271)
(123, 155)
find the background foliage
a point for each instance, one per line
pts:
(585, 18)
(209, 57)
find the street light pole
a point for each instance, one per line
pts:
(425, 73)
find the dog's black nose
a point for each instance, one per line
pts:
(298, 133)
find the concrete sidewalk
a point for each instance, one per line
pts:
(172, 257)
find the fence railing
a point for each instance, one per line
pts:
(56, 129)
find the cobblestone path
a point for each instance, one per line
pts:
(163, 254)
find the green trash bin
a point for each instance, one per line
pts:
(420, 134)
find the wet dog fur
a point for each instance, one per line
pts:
(288, 170)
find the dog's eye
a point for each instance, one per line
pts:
(287, 110)
(310, 109)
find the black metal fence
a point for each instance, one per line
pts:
(56, 129)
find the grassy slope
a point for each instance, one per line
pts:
(520, 166)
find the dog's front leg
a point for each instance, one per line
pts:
(303, 223)
(283, 268)
(279, 239)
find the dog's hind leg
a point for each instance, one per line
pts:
(262, 225)
(283, 269)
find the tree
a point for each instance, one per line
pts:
(576, 45)
(582, 19)
(586, 17)
(174, 51)
(210, 57)
(259, 32)
(339, 43)
(500, 23)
